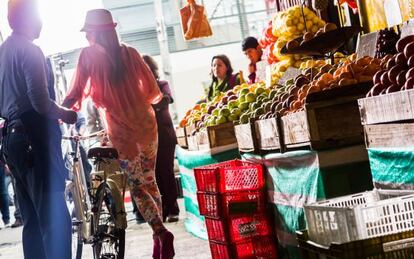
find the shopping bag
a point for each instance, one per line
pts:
(194, 21)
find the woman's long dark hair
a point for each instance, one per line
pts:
(109, 40)
(152, 64)
(226, 62)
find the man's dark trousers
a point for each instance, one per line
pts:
(34, 157)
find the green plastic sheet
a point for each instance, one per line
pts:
(392, 168)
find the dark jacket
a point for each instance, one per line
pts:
(166, 131)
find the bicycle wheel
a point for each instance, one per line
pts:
(109, 238)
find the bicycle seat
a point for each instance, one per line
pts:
(103, 152)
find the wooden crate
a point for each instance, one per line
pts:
(395, 135)
(181, 137)
(191, 132)
(216, 136)
(330, 119)
(268, 134)
(246, 137)
(398, 106)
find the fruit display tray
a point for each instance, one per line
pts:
(393, 135)
(268, 134)
(181, 137)
(216, 136)
(326, 121)
(393, 107)
(246, 137)
(325, 43)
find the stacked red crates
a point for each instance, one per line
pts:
(231, 197)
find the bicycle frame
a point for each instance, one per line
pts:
(81, 196)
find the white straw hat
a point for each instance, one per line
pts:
(98, 20)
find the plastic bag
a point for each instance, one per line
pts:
(194, 22)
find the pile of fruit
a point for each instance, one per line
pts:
(287, 26)
(228, 107)
(267, 43)
(397, 72)
(295, 43)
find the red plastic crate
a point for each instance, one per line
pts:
(262, 247)
(235, 203)
(236, 229)
(235, 175)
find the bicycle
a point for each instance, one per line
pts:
(99, 212)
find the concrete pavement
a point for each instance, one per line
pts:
(138, 241)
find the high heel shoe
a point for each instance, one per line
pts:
(167, 245)
(156, 252)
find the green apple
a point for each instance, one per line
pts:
(259, 90)
(244, 91)
(236, 111)
(232, 117)
(243, 106)
(224, 112)
(221, 120)
(233, 104)
(242, 98)
(216, 112)
(258, 112)
(250, 97)
(244, 119)
(203, 105)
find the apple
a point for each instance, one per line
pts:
(243, 106)
(215, 112)
(401, 78)
(400, 59)
(392, 89)
(409, 50)
(376, 90)
(250, 97)
(385, 80)
(409, 84)
(410, 62)
(233, 104)
(383, 91)
(225, 100)
(259, 91)
(403, 42)
(236, 111)
(410, 73)
(393, 73)
(221, 120)
(230, 93)
(232, 117)
(210, 109)
(377, 76)
(390, 63)
(231, 98)
(244, 91)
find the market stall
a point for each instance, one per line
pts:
(325, 124)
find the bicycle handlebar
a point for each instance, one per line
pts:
(93, 135)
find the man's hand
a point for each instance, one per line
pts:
(69, 116)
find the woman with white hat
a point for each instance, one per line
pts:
(119, 82)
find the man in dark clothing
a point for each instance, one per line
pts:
(32, 137)
(253, 52)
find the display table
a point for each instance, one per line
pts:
(392, 168)
(188, 160)
(299, 177)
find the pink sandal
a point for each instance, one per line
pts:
(167, 245)
(156, 252)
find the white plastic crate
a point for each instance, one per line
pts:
(360, 216)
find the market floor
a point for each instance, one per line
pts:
(138, 241)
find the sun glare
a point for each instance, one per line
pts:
(62, 21)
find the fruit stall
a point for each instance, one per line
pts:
(332, 130)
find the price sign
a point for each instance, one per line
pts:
(408, 28)
(393, 12)
(291, 72)
(261, 71)
(367, 44)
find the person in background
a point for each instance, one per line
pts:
(18, 221)
(167, 140)
(4, 196)
(117, 79)
(222, 76)
(32, 137)
(253, 52)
